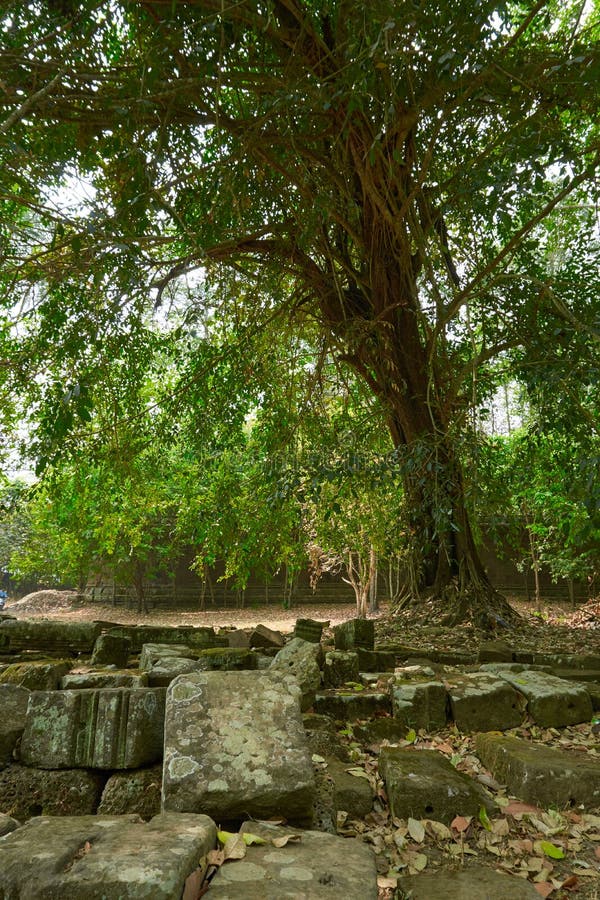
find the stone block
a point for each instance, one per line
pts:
(301, 661)
(542, 775)
(322, 738)
(319, 866)
(239, 637)
(551, 701)
(375, 731)
(26, 792)
(424, 784)
(309, 630)
(198, 638)
(7, 824)
(484, 702)
(111, 650)
(137, 791)
(420, 704)
(165, 670)
(235, 746)
(341, 666)
(495, 651)
(100, 729)
(103, 857)
(13, 712)
(347, 706)
(30, 634)
(75, 681)
(36, 676)
(375, 660)
(263, 638)
(453, 657)
(226, 659)
(355, 633)
(151, 654)
(477, 883)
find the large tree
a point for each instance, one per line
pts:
(392, 171)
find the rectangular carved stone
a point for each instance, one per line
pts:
(98, 729)
(26, 634)
(235, 745)
(103, 857)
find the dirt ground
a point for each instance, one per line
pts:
(558, 628)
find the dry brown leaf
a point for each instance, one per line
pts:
(416, 831)
(215, 857)
(570, 884)
(544, 888)
(438, 830)
(500, 827)
(461, 823)
(286, 839)
(516, 808)
(385, 881)
(193, 887)
(234, 847)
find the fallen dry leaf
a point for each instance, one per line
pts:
(286, 839)
(544, 888)
(234, 847)
(515, 808)
(461, 823)
(416, 831)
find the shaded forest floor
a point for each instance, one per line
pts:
(558, 628)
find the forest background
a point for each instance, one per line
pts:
(269, 269)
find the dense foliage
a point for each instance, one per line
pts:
(409, 187)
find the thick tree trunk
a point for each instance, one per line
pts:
(414, 384)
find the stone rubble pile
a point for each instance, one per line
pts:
(121, 747)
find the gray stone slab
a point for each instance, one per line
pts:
(235, 745)
(103, 858)
(7, 824)
(34, 634)
(302, 661)
(317, 867)
(341, 666)
(538, 774)
(77, 681)
(477, 883)
(420, 704)
(36, 676)
(375, 660)
(136, 791)
(347, 706)
(26, 792)
(199, 638)
(111, 650)
(165, 670)
(551, 701)
(484, 702)
(495, 651)
(227, 659)
(355, 633)
(100, 729)
(424, 784)
(13, 712)
(152, 654)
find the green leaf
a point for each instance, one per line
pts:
(552, 850)
(484, 818)
(411, 736)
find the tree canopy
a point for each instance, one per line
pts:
(413, 182)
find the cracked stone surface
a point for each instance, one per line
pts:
(319, 866)
(103, 857)
(235, 745)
